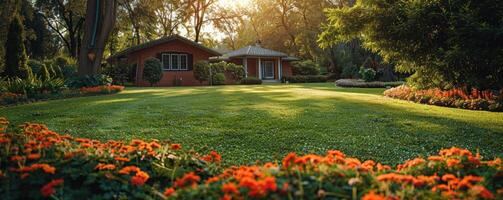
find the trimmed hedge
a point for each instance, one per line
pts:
(362, 84)
(305, 79)
(251, 81)
(40, 163)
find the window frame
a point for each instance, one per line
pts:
(178, 57)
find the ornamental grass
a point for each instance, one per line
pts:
(39, 163)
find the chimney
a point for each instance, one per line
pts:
(258, 43)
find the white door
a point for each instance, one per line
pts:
(268, 70)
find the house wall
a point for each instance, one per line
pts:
(169, 77)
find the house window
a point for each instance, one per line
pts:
(174, 61)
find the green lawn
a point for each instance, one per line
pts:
(249, 123)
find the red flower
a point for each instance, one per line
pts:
(169, 191)
(48, 189)
(230, 188)
(176, 146)
(373, 196)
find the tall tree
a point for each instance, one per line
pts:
(170, 14)
(200, 10)
(66, 18)
(16, 59)
(140, 15)
(99, 22)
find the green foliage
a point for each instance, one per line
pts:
(305, 67)
(35, 66)
(88, 81)
(201, 71)
(251, 81)
(64, 67)
(44, 73)
(367, 74)
(218, 79)
(305, 79)
(15, 57)
(32, 87)
(120, 73)
(153, 71)
(350, 71)
(455, 41)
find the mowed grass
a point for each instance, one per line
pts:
(250, 123)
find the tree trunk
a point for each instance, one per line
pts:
(99, 22)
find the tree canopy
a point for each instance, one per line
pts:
(454, 42)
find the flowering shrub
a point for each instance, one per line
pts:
(103, 89)
(10, 98)
(457, 98)
(37, 162)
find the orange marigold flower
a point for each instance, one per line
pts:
(140, 178)
(287, 161)
(494, 163)
(190, 178)
(16, 158)
(451, 162)
(122, 159)
(45, 167)
(169, 191)
(129, 169)
(435, 158)
(448, 177)
(102, 166)
(34, 156)
(226, 197)
(381, 167)
(212, 157)
(373, 196)
(482, 192)
(176, 146)
(230, 188)
(48, 189)
(270, 184)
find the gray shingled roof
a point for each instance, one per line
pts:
(254, 51)
(161, 41)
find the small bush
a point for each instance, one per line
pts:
(363, 84)
(201, 71)
(218, 79)
(251, 81)
(367, 74)
(88, 81)
(305, 79)
(306, 67)
(350, 71)
(120, 73)
(64, 67)
(153, 71)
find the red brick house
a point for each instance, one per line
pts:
(178, 56)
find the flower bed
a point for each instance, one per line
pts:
(457, 98)
(37, 162)
(8, 98)
(363, 84)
